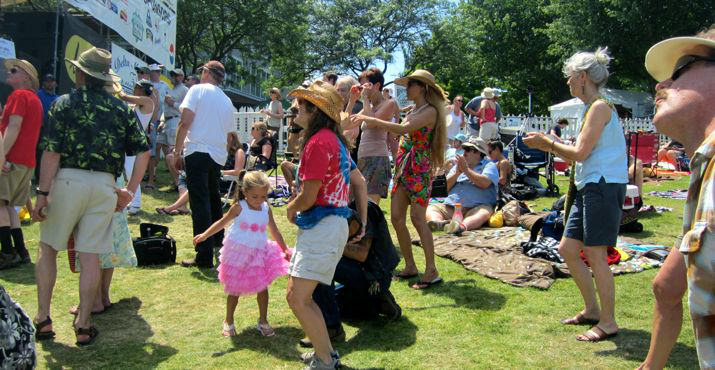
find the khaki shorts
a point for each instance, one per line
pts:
(84, 202)
(167, 136)
(318, 250)
(15, 185)
(447, 211)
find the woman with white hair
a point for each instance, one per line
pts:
(596, 192)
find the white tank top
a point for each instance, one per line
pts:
(143, 118)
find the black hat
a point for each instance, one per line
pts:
(48, 77)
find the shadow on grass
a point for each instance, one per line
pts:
(378, 334)
(641, 235)
(205, 274)
(23, 274)
(281, 346)
(633, 345)
(122, 342)
(465, 293)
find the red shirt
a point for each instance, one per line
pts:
(325, 158)
(26, 104)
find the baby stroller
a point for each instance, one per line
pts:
(527, 162)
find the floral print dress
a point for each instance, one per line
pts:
(413, 169)
(17, 335)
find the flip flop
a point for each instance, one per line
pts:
(42, 335)
(427, 284)
(595, 334)
(160, 210)
(401, 276)
(579, 320)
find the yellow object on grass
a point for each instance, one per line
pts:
(624, 256)
(497, 220)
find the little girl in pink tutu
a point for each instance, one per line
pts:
(249, 262)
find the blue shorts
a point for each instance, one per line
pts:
(596, 213)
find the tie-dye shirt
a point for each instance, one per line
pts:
(325, 158)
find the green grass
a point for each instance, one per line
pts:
(170, 317)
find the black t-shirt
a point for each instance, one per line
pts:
(382, 257)
(257, 148)
(555, 128)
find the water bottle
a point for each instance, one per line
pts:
(457, 219)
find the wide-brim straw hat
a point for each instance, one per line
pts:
(488, 93)
(95, 62)
(661, 58)
(324, 96)
(27, 67)
(424, 77)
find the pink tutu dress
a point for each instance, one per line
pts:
(249, 262)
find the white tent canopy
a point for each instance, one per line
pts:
(640, 104)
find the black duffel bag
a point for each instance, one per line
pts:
(154, 246)
(439, 187)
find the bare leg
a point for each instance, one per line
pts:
(231, 303)
(598, 259)
(180, 203)
(105, 301)
(398, 216)
(476, 221)
(300, 300)
(434, 215)
(669, 287)
(417, 214)
(170, 163)
(88, 288)
(570, 250)
(45, 274)
(262, 299)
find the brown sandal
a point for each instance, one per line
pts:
(579, 319)
(595, 334)
(43, 335)
(91, 332)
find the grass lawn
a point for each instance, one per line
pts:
(170, 317)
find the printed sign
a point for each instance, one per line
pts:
(7, 49)
(401, 96)
(123, 64)
(148, 25)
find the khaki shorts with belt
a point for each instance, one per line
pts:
(81, 201)
(447, 211)
(15, 184)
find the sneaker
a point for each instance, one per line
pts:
(389, 307)
(9, 260)
(24, 257)
(310, 359)
(437, 225)
(337, 335)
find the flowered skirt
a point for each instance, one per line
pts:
(17, 335)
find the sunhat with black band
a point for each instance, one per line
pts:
(423, 76)
(95, 62)
(324, 96)
(668, 55)
(26, 67)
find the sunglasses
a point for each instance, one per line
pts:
(470, 150)
(685, 62)
(14, 70)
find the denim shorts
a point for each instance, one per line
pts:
(596, 213)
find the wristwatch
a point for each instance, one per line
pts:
(40, 192)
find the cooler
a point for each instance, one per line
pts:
(632, 197)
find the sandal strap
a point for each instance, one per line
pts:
(86, 331)
(43, 324)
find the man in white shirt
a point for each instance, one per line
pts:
(207, 116)
(166, 138)
(162, 89)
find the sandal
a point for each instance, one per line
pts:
(595, 334)
(160, 210)
(579, 319)
(42, 335)
(91, 332)
(427, 284)
(228, 330)
(265, 329)
(404, 276)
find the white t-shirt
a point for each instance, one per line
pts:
(213, 120)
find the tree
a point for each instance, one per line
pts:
(352, 35)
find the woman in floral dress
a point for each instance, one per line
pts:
(421, 153)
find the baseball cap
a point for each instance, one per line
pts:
(155, 67)
(461, 137)
(216, 67)
(177, 71)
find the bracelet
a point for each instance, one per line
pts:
(43, 193)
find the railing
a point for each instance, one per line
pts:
(247, 116)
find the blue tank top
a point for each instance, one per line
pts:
(607, 159)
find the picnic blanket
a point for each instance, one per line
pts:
(671, 194)
(497, 254)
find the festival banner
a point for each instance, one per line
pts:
(76, 39)
(7, 49)
(148, 25)
(123, 64)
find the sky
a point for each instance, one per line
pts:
(394, 69)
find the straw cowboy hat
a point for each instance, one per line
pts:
(488, 93)
(662, 58)
(422, 76)
(27, 67)
(324, 96)
(95, 62)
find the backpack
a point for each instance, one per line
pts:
(553, 225)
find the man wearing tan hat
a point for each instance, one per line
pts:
(88, 134)
(206, 120)
(20, 127)
(472, 183)
(685, 70)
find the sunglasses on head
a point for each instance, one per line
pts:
(685, 62)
